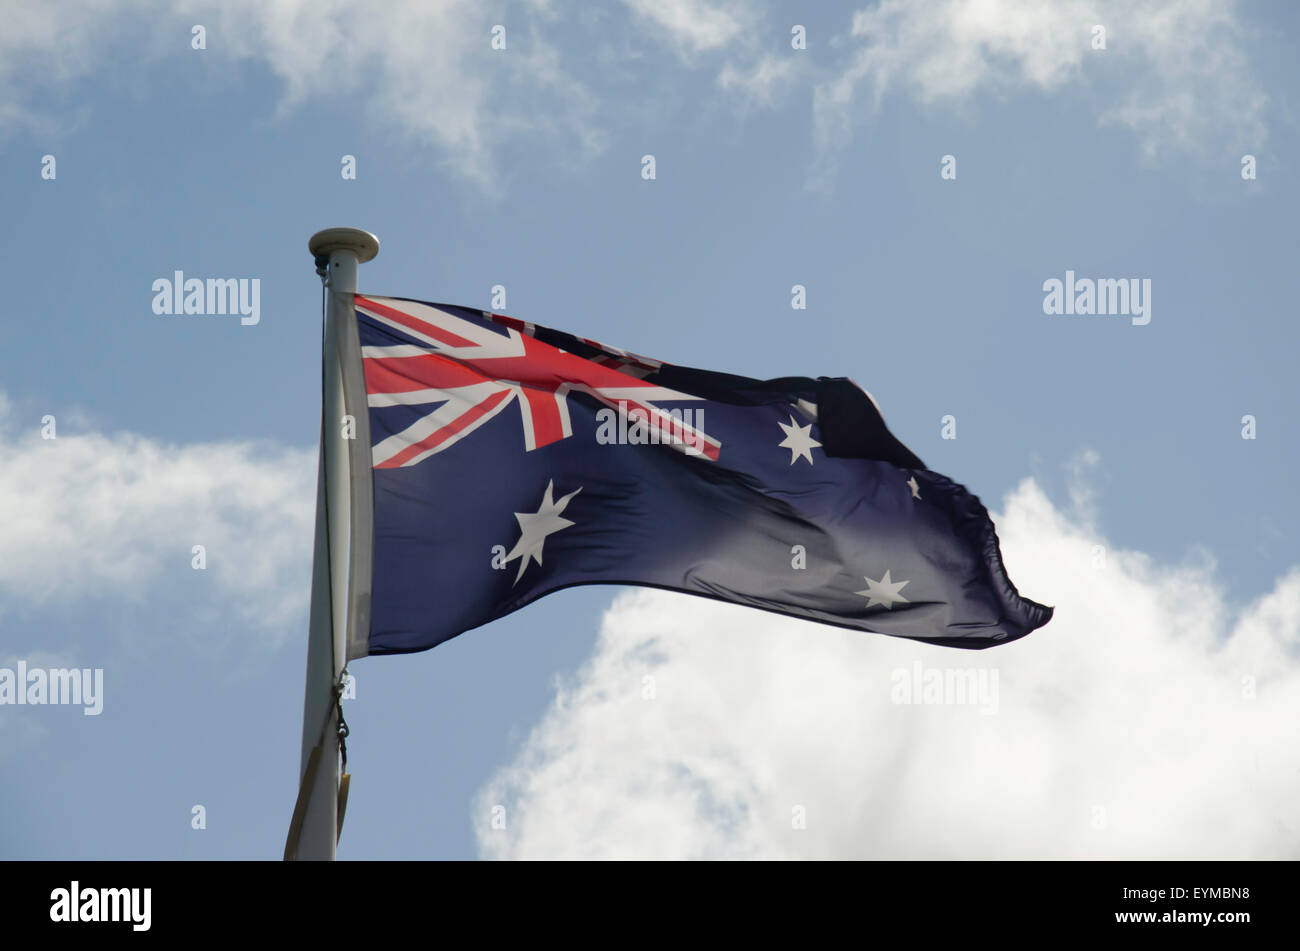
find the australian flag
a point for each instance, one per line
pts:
(511, 460)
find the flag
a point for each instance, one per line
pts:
(511, 460)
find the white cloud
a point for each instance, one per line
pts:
(735, 33)
(116, 516)
(762, 82)
(423, 67)
(427, 68)
(1123, 728)
(695, 24)
(1177, 70)
(48, 43)
(1199, 92)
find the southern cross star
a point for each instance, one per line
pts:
(534, 527)
(885, 591)
(798, 439)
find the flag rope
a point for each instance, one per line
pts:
(309, 774)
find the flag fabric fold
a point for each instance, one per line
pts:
(512, 460)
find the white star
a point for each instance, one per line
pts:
(798, 439)
(916, 489)
(535, 526)
(885, 591)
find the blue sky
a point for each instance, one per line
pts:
(774, 167)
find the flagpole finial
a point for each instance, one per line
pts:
(365, 244)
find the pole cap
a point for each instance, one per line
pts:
(365, 244)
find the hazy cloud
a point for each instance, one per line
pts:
(1173, 71)
(90, 515)
(696, 24)
(427, 68)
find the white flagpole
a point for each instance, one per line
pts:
(341, 565)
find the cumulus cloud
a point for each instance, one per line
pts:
(1146, 720)
(1173, 71)
(90, 515)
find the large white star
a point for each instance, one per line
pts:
(534, 527)
(798, 439)
(885, 591)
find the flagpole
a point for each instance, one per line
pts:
(340, 588)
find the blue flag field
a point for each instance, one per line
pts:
(511, 460)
